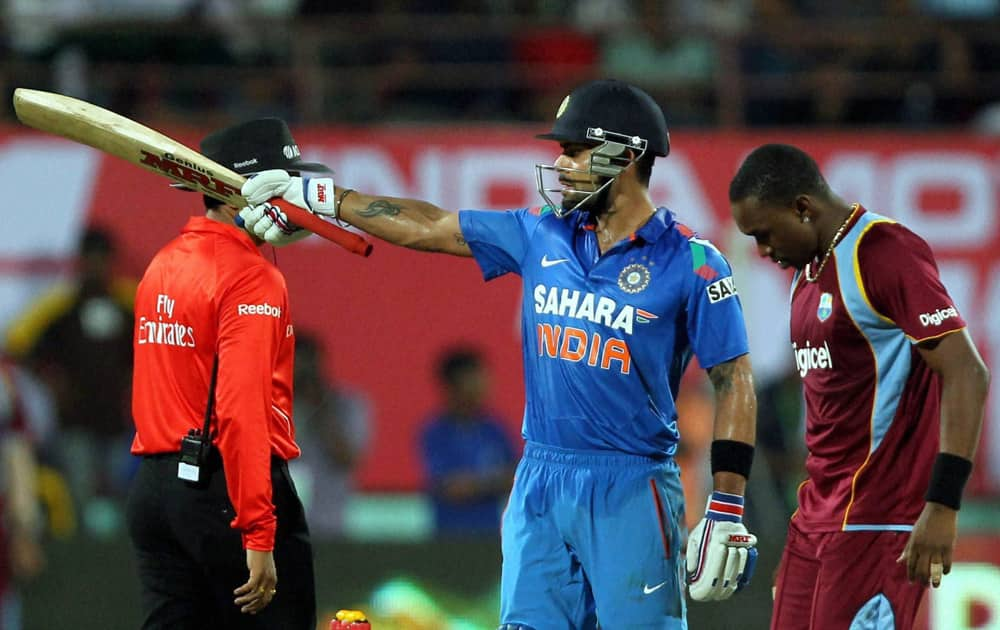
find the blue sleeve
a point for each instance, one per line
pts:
(715, 322)
(498, 239)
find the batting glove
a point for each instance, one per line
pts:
(721, 553)
(270, 224)
(312, 193)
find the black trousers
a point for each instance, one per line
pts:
(190, 560)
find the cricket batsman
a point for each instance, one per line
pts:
(618, 297)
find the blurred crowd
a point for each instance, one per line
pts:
(902, 63)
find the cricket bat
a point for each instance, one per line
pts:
(112, 133)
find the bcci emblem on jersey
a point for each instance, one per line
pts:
(633, 278)
(825, 306)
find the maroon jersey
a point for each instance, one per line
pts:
(872, 403)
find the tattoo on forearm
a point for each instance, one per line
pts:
(722, 377)
(380, 207)
(460, 239)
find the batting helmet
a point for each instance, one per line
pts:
(613, 106)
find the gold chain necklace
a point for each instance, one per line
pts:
(829, 250)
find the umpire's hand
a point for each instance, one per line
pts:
(260, 589)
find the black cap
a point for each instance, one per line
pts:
(257, 145)
(613, 106)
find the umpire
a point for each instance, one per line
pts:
(219, 533)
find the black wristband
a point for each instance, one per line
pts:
(732, 456)
(948, 477)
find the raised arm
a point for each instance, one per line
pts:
(407, 222)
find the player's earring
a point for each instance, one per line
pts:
(805, 219)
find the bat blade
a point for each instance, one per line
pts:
(117, 135)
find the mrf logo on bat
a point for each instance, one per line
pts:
(187, 172)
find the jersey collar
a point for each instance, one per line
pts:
(657, 225)
(204, 224)
(651, 230)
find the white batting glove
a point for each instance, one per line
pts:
(721, 553)
(270, 224)
(312, 193)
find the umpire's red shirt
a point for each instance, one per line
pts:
(211, 291)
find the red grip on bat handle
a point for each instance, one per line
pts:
(303, 218)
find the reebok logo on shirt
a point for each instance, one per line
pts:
(938, 316)
(258, 309)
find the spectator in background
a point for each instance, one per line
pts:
(551, 57)
(660, 52)
(656, 48)
(468, 457)
(332, 424)
(78, 340)
(21, 555)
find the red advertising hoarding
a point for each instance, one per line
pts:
(386, 318)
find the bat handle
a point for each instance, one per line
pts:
(303, 218)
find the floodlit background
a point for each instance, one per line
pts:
(899, 101)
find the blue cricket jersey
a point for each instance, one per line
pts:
(607, 338)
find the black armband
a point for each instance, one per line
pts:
(732, 456)
(948, 477)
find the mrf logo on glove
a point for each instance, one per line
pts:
(322, 195)
(721, 553)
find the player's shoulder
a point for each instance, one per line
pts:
(884, 229)
(887, 239)
(706, 260)
(541, 222)
(544, 215)
(528, 218)
(538, 211)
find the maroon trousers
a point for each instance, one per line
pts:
(831, 580)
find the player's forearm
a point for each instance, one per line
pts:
(963, 399)
(735, 414)
(408, 222)
(735, 401)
